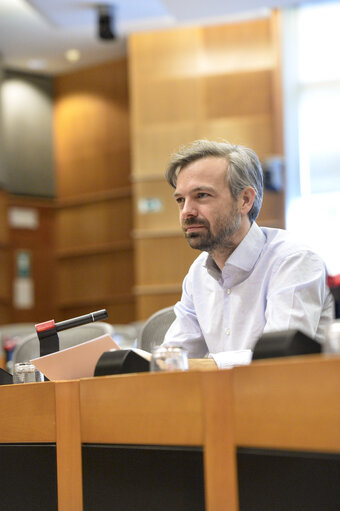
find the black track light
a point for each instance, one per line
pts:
(106, 22)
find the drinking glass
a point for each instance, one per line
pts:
(25, 372)
(169, 358)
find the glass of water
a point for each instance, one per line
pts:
(25, 372)
(169, 358)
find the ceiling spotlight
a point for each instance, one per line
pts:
(72, 55)
(106, 22)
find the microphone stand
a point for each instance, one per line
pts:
(48, 331)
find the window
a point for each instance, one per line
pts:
(311, 71)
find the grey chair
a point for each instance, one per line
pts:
(29, 347)
(155, 328)
(125, 336)
(14, 332)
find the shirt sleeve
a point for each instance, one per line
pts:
(297, 294)
(185, 331)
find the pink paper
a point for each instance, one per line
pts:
(76, 362)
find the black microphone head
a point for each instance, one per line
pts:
(99, 315)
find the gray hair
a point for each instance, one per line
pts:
(244, 167)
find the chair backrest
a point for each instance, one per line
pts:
(15, 330)
(125, 336)
(29, 347)
(155, 328)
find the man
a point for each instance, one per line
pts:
(247, 280)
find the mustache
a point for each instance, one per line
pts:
(195, 221)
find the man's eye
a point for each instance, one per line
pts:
(179, 200)
(202, 195)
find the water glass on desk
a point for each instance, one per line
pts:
(25, 372)
(170, 358)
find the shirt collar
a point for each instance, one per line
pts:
(248, 251)
(244, 256)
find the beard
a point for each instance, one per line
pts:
(205, 240)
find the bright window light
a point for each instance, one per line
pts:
(314, 214)
(319, 42)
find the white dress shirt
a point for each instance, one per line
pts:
(269, 283)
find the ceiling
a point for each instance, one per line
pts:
(34, 34)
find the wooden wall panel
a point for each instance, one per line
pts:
(96, 223)
(94, 278)
(156, 264)
(5, 294)
(148, 303)
(120, 312)
(152, 145)
(255, 131)
(92, 130)
(216, 82)
(167, 218)
(175, 54)
(181, 97)
(94, 214)
(40, 244)
(239, 46)
(272, 211)
(238, 95)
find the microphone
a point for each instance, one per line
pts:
(47, 331)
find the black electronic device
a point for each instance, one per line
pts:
(287, 343)
(5, 377)
(121, 362)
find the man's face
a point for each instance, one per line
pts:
(209, 215)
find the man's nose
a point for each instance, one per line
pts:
(189, 209)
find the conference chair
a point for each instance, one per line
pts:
(29, 347)
(125, 336)
(14, 332)
(155, 328)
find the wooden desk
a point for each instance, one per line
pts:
(46, 413)
(289, 404)
(182, 409)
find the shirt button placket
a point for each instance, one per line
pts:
(228, 292)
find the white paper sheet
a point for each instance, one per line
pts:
(76, 362)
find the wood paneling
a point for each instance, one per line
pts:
(5, 263)
(94, 278)
(288, 403)
(166, 218)
(120, 308)
(152, 145)
(94, 223)
(68, 440)
(40, 243)
(216, 82)
(147, 304)
(28, 413)
(238, 94)
(156, 264)
(92, 129)
(255, 131)
(273, 210)
(94, 216)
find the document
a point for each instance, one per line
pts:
(76, 362)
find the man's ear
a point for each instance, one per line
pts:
(246, 199)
